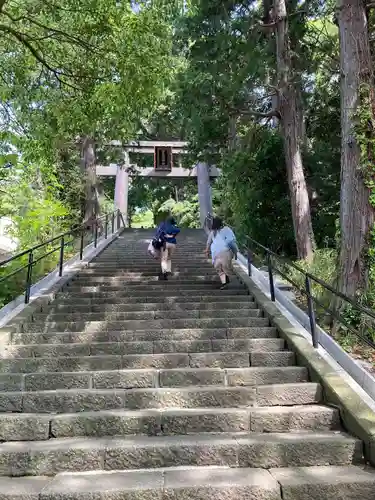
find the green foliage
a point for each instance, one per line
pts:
(68, 71)
(256, 193)
(143, 219)
(186, 212)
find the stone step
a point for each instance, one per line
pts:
(150, 265)
(143, 335)
(155, 299)
(151, 306)
(40, 427)
(46, 458)
(140, 361)
(326, 482)
(163, 292)
(135, 280)
(142, 315)
(151, 377)
(184, 261)
(78, 400)
(200, 483)
(142, 347)
(101, 326)
(179, 286)
(144, 277)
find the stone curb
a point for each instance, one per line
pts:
(356, 415)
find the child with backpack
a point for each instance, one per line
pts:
(165, 243)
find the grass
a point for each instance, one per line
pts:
(323, 267)
(143, 219)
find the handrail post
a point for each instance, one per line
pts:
(81, 244)
(61, 260)
(310, 306)
(106, 227)
(96, 234)
(29, 277)
(113, 222)
(270, 277)
(249, 261)
(118, 219)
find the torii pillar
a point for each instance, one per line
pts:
(122, 189)
(204, 191)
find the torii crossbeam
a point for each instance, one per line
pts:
(167, 151)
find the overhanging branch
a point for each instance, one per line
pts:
(274, 113)
(268, 25)
(23, 39)
(64, 34)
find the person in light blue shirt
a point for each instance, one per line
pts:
(223, 247)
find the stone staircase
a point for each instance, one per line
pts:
(133, 389)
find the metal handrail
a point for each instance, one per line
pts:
(307, 290)
(111, 219)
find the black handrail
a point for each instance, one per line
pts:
(307, 290)
(94, 226)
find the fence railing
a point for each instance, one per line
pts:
(305, 284)
(22, 266)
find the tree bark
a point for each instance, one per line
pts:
(232, 133)
(356, 212)
(290, 118)
(92, 207)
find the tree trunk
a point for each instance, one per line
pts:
(290, 117)
(232, 133)
(91, 208)
(356, 213)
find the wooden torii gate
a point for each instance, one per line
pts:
(165, 153)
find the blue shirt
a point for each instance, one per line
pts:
(168, 232)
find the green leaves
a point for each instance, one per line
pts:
(8, 160)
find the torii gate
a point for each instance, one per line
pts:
(164, 153)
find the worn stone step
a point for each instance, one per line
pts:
(155, 299)
(185, 421)
(137, 278)
(123, 296)
(185, 264)
(208, 483)
(141, 255)
(141, 347)
(118, 273)
(142, 315)
(40, 427)
(143, 335)
(164, 292)
(93, 363)
(326, 482)
(100, 326)
(97, 267)
(50, 457)
(151, 306)
(77, 400)
(152, 377)
(158, 286)
(140, 361)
